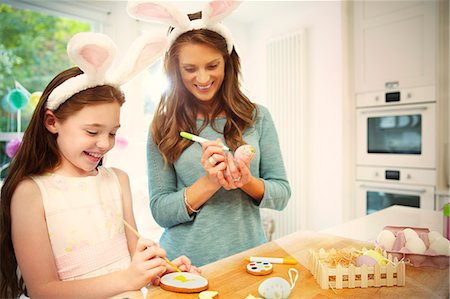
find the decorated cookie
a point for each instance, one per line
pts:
(208, 295)
(183, 282)
(259, 268)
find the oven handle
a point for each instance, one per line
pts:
(377, 188)
(395, 109)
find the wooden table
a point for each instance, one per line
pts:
(229, 278)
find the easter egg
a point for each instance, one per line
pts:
(440, 246)
(274, 288)
(17, 99)
(433, 235)
(365, 260)
(410, 233)
(376, 256)
(415, 245)
(245, 153)
(386, 238)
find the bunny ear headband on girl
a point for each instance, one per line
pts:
(94, 54)
(164, 12)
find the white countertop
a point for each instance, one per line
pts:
(368, 227)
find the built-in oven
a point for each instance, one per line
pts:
(380, 187)
(397, 129)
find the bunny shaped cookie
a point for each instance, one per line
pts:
(94, 54)
(164, 12)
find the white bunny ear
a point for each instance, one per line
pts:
(162, 12)
(215, 11)
(141, 54)
(93, 53)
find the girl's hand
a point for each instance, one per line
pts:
(213, 160)
(236, 175)
(147, 264)
(183, 263)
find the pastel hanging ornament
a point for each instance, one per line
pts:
(277, 287)
(12, 147)
(17, 99)
(7, 106)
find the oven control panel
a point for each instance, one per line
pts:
(399, 175)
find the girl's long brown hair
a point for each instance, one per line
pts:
(178, 108)
(39, 154)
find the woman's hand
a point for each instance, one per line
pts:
(237, 174)
(147, 264)
(213, 160)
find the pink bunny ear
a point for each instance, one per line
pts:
(141, 54)
(92, 52)
(161, 12)
(215, 11)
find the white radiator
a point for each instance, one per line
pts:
(286, 66)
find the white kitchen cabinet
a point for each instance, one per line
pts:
(394, 44)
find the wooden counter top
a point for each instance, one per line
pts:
(229, 278)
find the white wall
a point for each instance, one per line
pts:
(324, 166)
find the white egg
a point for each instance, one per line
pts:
(410, 233)
(416, 245)
(386, 238)
(274, 288)
(440, 246)
(433, 235)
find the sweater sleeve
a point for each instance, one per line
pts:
(166, 202)
(272, 170)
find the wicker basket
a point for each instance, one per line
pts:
(391, 274)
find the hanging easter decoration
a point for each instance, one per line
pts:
(17, 99)
(12, 147)
(7, 106)
(32, 103)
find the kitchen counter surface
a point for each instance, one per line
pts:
(229, 277)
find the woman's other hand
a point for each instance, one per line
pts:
(236, 175)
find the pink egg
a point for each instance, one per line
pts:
(365, 260)
(245, 153)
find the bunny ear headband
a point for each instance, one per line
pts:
(164, 12)
(94, 53)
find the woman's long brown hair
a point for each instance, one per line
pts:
(177, 110)
(39, 154)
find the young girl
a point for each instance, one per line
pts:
(62, 214)
(197, 191)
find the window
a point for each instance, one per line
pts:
(32, 52)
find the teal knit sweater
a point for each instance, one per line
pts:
(229, 222)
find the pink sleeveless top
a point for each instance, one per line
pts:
(84, 221)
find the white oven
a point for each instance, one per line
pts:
(380, 187)
(397, 129)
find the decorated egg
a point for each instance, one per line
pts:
(410, 233)
(274, 288)
(245, 153)
(386, 238)
(440, 246)
(365, 260)
(415, 245)
(433, 235)
(377, 256)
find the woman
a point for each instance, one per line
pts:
(208, 203)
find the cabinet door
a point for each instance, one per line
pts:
(395, 44)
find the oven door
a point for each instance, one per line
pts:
(401, 136)
(372, 197)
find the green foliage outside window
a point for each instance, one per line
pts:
(32, 52)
